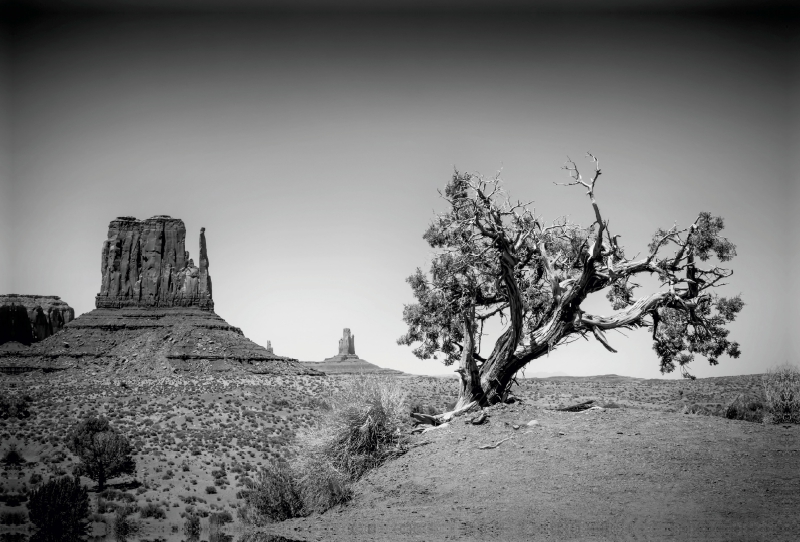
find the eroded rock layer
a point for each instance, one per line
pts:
(145, 264)
(154, 315)
(27, 319)
(151, 341)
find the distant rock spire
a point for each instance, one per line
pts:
(347, 344)
(205, 278)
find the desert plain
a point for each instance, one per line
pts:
(658, 461)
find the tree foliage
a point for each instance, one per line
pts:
(59, 509)
(104, 452)
(494, 258)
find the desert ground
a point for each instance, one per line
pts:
(658, 462)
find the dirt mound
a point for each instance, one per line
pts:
(152, 341)
(617, 474)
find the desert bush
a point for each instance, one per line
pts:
(220, 518)
(321, 485)
(361, 429)
(746, 407)
(123, 526)
(782, 394)
(273, 496)
(151, 510)
(117, 495)
(191, 526)
(364, 427)
(59, 509)
(211, 490)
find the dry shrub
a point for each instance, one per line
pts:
(273, 496)
(364, 426)
(746, 407)
(321, 486)
(361, 429)
(782, 394)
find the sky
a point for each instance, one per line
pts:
(311, 148)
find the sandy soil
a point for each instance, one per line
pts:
(644, 471)
(618, 474)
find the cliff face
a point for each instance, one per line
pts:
(30, 318)
(145, 264)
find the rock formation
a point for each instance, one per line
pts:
(346, 361)
(347, 344)
(154, 315)
(30, 318)
(347, 347)
(145, 264)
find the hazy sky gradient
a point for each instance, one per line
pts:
(311, 149)
(6, 219)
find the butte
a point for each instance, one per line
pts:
(346, 361)
(154, 315)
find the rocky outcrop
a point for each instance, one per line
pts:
(145, 264)
(154, 316)
(347, 347)
(152, 341)
(30, 318)
(347, 344)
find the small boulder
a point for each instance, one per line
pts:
(532, 423)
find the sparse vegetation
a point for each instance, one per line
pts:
(58, 509)
(782, 394)
(362, 429)
(273, 496)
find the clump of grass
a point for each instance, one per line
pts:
(782, 394)
(361, 430)
(274, 496)
(322, 486)
(364, 427)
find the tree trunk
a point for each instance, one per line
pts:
(494, 373)
(469, 389)
(101, 480)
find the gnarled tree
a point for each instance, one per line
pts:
(104, 452)
(495, 258)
